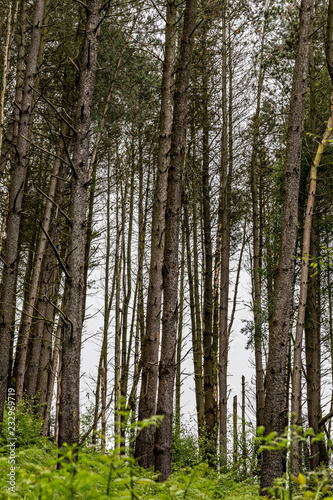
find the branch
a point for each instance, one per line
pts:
(68, 155)
(81, 3)
(54, 203)
(45, 150)
(91, 428)
(323, 420)
(55, 109)
(62, 265)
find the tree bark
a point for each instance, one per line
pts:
(210, 407)
(260, 390)
(144, 446)
(296, 395)
(197, 353)
(17, 184)
(163, 443)
(27, 316)
(272, 466)
(74, 284)
(225, 250)
(180, 336)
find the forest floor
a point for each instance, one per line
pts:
(105, 476)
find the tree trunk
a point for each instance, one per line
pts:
(144, 446)
(197, 354)
(312, 352)
(18, 178)
(210, 408)
(163, 443)
(278, 340)
(72, 316)
(225, 248)
(235, 433)
(27, 316)
(296, 395)
(255, 161)
(11, 136)
(180, 336)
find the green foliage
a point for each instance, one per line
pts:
(28, 427)
(313, 484)
(185, 452)
(110, 476)
(115, 474)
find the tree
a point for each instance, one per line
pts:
(272, 466)
(163, 442)
(72, 314)
(17, 184)
(144, 447)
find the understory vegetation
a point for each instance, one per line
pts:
(114, 475)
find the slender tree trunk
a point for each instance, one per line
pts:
(225, 247)
(197, 355)
(144, 447)
(198, 334)
(296, 395)
(103, 397)
(27, 317)
(49, 291)
(210, 409)
(180, 335)
(163, 443)
(117, 356)
(51, 380)
(244, 452)
(74, 285)
(18, 178)
(313, 362)
(272, 466)
(235, 433)
(255, 162)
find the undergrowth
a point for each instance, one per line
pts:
(115, 476)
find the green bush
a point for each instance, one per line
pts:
(28, 427)
(185, 449)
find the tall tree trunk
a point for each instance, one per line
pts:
(224, 210)
(74, 285)
(296, 395)
(117, 347)
(144, 446)
(210, 408)
(198, 334)
(51, 381)
(197, 353)
(49, 291)
(180, 335)
(235, 433)
(27, 316)
(312, 352)
(163, 443)
(255, 162)
(18, 178)
(272, 466)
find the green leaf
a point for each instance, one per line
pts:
(294, 479)
(301, 479)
